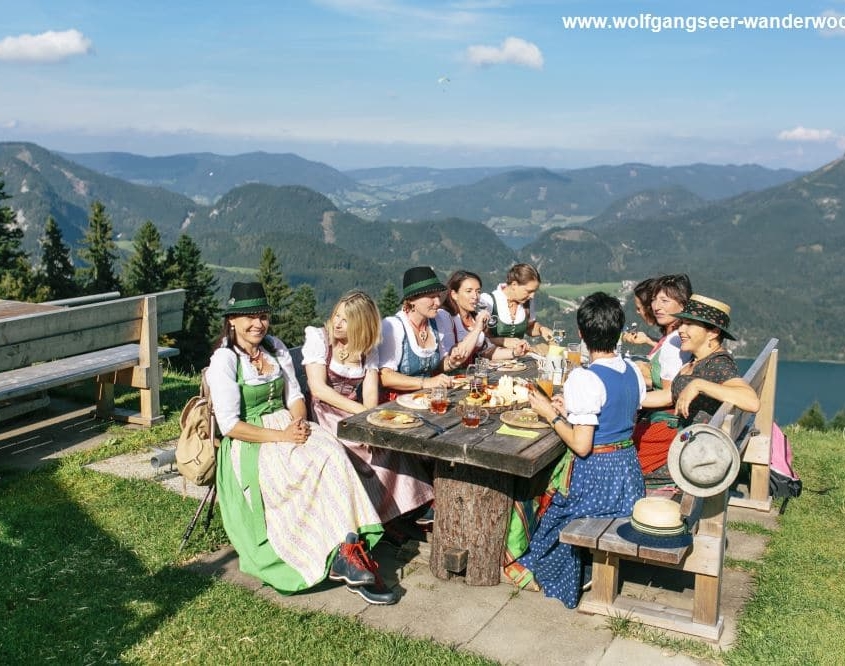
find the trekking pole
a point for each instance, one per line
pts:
(190, 528)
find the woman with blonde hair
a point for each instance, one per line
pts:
(342, 365)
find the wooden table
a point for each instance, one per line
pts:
(477, 475)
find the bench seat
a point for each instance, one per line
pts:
(43, 376)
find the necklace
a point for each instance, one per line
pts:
(342, 353)
(422, 331)
(256, 359)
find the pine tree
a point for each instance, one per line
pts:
(56, 273)
(837, 423)
(278, 290)
(16, 281)
(201, 319)
(99, 251)
(301, 312)
(389, 301)
(813, 418)
(144, 272)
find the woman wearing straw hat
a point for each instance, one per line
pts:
(292, 503)
(418, 342)
(712, 377)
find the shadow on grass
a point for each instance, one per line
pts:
(69, 591)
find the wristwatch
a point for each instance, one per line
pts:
(555, 420)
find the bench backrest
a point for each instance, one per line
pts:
(762, 376)
(43, 336)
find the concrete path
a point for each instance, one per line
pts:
(499, 622)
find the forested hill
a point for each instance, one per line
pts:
(775, 256)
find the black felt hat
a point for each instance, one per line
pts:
(246, 298)
(420, 280)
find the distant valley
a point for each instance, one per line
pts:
(770, 242)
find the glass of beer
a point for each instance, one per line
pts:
(472, 416)
(545, 380)
(573, 355)
(438, 399)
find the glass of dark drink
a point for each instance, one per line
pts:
(438, 400)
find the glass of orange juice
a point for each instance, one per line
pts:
(545, 380)
(573, 354)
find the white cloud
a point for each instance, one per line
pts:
(513, 50)
(836, 18)
(50, 46)
(807, 134)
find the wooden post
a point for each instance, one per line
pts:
(471, 517)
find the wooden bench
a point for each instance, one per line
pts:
(705, 557)
(115, 342)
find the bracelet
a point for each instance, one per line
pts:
(555, 420)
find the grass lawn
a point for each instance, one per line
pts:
(570, 292)
(89, 574)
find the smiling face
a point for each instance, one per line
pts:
(522, 292)
(426, 305)
(696, 338)
(467, 294)
(339, 323)
(664, 306)
(250, 329)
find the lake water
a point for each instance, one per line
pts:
(801, 384)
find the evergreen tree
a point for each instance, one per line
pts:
(813, 418)
(99, 251)
(301, 312)
(837, 423)
(278, 290)
(144, 272)
(56, 273)
(389, 301)
(15, 272)
(201, 320)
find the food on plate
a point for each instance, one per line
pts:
(477, 397)
(509, 391)
(525, 416)
(395, 417)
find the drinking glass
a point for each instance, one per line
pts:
(472, 416)
(545, 380)
(483, 307)
(438, 399)
(558, 333)
(573, 355)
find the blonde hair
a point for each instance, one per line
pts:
(363, 322)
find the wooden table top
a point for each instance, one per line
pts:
(481, 447)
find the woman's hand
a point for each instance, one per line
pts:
(542, 405)
(297, 432)
(480, 321)
(437, 380)
(686, 396)
(517, 345)
(636, 338)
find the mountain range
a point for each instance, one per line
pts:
(773, 253)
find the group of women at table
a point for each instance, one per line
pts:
(299, 505)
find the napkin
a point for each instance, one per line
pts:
(516, 432)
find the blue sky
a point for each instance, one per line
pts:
(361, 83)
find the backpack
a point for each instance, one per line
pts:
(783, 481)
(196, 450)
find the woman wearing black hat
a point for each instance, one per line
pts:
(709, 379)
(292, 504)
(418, 342)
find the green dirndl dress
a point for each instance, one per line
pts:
(287, 507)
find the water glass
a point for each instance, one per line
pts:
(558, 333)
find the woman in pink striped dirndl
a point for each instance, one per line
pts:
(341, 363)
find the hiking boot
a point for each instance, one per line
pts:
(350, 564)
(377, 594)
(427, 518)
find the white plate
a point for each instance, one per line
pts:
(413, 400)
